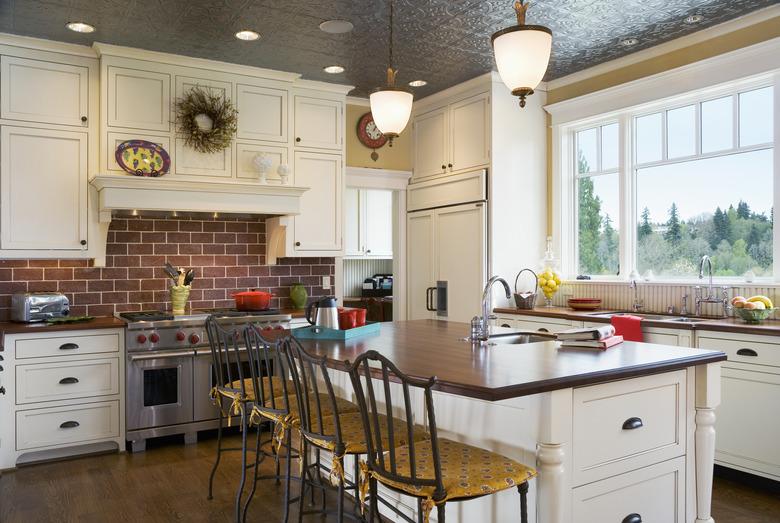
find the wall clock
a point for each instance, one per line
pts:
(369, 134)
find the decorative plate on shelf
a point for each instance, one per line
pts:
(142, 158)
(368, 133)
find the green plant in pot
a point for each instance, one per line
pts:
(298, 295)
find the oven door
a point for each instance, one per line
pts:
(159, 389)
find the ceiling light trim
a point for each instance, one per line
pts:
(80, 27)
(247, 35)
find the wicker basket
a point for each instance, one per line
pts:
(526, 300)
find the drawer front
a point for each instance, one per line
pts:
(40, 347)
(63, 380)
(542, 324)
(654, 494)
(628, 424)
(66, 425)
(755, 352)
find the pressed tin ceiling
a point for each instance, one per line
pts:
(441, 41)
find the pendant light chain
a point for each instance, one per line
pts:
(391, 34)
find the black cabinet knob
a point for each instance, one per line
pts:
(83, 242)
(368, 250)
(83, 118)
(747, 352)
(443, 166)
(449, 165)
(297, 244)
(68, 346)
(633, 423)
(542, 329)
(2, 391)
(69, 381)
(69, 424)
(632, 518)
(297, 138)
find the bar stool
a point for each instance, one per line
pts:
(326, 426)
(436, 470)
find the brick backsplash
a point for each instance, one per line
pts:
(227, 254)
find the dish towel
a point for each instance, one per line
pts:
(628, 326)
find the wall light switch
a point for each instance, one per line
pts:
(326, 282)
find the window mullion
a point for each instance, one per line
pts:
(627, 192)
(776, 177)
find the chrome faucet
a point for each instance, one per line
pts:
(480, 326)
(699, 298)
(637, 305)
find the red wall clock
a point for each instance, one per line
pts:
(368, 133)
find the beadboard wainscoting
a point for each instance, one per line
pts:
(656, 297)
(227, 254)
(355, 271)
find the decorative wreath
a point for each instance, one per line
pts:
(207, 120)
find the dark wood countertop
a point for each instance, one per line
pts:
(766, 328)
(424, 348)
(100, 322)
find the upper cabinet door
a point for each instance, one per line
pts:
(353, 222)
(430, 144)
(37, 91)
(262, 113)
(139, 99)
(469, 133)
(43, 189)
(318, 123)
(379, 222)
(318, 227)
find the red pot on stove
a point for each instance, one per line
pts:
(252, 300)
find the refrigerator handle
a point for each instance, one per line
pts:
(429, 299)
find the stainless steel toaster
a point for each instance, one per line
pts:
(29, 307)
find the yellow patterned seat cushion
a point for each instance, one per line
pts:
(278, 388)
(354, 437)
(466, 471)
(293, 417)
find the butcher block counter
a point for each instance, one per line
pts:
(565, 412)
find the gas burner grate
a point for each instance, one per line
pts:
(230, 313)
(146, 316)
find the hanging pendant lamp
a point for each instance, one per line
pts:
(522, 54)
(391, 106)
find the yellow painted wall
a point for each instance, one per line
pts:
(398, 157)
(738, 39)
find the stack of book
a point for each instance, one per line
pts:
(597, 338)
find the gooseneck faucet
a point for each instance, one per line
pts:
(710, 297)
(480, 326)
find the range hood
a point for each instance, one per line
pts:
(137, 193)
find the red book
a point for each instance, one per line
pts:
(593, 344)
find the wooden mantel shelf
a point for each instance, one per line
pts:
(122, 192)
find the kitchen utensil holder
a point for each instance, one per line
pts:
(526, 300)
(179, 296)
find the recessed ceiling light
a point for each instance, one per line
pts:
(693, 19)
(333, 69)
(628, 42)
(418, 83)
(336, 26)
(247, 35)
(80, 27)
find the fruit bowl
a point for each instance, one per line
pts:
(754, 316)
(584, 304)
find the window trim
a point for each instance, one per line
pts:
(565, 172)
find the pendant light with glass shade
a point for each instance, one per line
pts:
(391, 106)
(522, 54)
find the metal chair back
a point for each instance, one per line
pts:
(262, 356)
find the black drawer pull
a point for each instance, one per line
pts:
(747, 352)
(542, 329)
(69, 380)
(69, 346)
(69, 424)
(632, 518)
(631, 424)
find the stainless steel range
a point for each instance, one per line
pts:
(169, 371)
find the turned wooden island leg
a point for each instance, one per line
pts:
(553, 458)
(707, 398)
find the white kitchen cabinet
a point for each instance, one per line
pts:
(245, 156)
(44, 92)
(420, 227)
(262, 113)
(542, 323)
(452, 139)
(318, 227)
(368, 223)
(319, 123)
(43, 190)
(138, 99)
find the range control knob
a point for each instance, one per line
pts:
(154, 338)
(194, 338)
(267, 328)
(279, 327)
(141, 338)
(180, 336)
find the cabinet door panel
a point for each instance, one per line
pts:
(469, 133)
(379, 222)
(43, 188)
(37, 91)
(420, 255)
(189, 161)
(262, 113)
(318, 123)
(460, 258)
(245, 155)
(430, 144)
(352, 222)
(139, 99)
(318, 227)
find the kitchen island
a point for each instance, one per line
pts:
(567, 412)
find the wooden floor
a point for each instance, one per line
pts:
(169, 483)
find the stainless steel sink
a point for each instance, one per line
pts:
(645, 316)
(520, 338)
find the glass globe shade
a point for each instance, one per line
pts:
(391, 109)
(522, 56)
